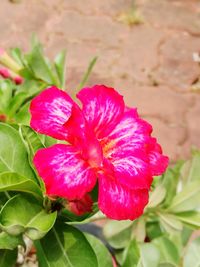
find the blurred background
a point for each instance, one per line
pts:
(147, 49)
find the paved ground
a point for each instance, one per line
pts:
(151, 63)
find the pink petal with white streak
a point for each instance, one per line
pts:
(64, 172)
(49, 111)
(119, 202)
(125, 147)
(158, 162)
(102, 108)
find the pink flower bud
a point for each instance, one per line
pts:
(8, 74)
(2, 118)
(18, 80)
(81, 206)
(4, 72)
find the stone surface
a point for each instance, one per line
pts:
(150, 64)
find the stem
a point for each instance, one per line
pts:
(7, 194)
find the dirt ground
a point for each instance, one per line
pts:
(151, 64)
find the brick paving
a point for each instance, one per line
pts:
(151, 64)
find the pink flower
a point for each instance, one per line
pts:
(107, 143)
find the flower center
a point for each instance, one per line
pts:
(92, 151)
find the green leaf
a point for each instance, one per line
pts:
(190, 218)
(10, 242)
(31, 140)
(87, 73)
(168, 251)
(23, 115)
(153, 230)
(170, 182)
(166, 265)
(23, 214)
(103, 256)
(40, 66)
(131, 255)
(192, 255)
(191, 169)
(65, 246)
(3, 198)
(13, 155)
(157, 196)
(139, 229)
(187, 199)
(16, 103)
(118, 233)
(33, 143)
(10, 181)
(60, 67)
(150, 255)
(17, 55)
(170, 223)
(5, 95)
(8, 257)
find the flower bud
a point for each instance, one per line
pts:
(8, 74)
(81, 206)
(7, 61)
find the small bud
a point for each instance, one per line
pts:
(2, 118)
(80, 206)
(8, 74)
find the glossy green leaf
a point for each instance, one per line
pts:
(192, 255)
(131, 255)
(118, 233)
(168, 251)
(24, 214)
(65, 246)
(104, 257)
(149, 255)
(10, 242)
(187, 199)
(14, 182)
(8, 257)
(13, 154)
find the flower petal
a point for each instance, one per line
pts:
(130, 134)
(49, 111)
(125, 147)
(133, 171)
(102, 108)
(64, 172)
(119, 202)
(158, 162)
